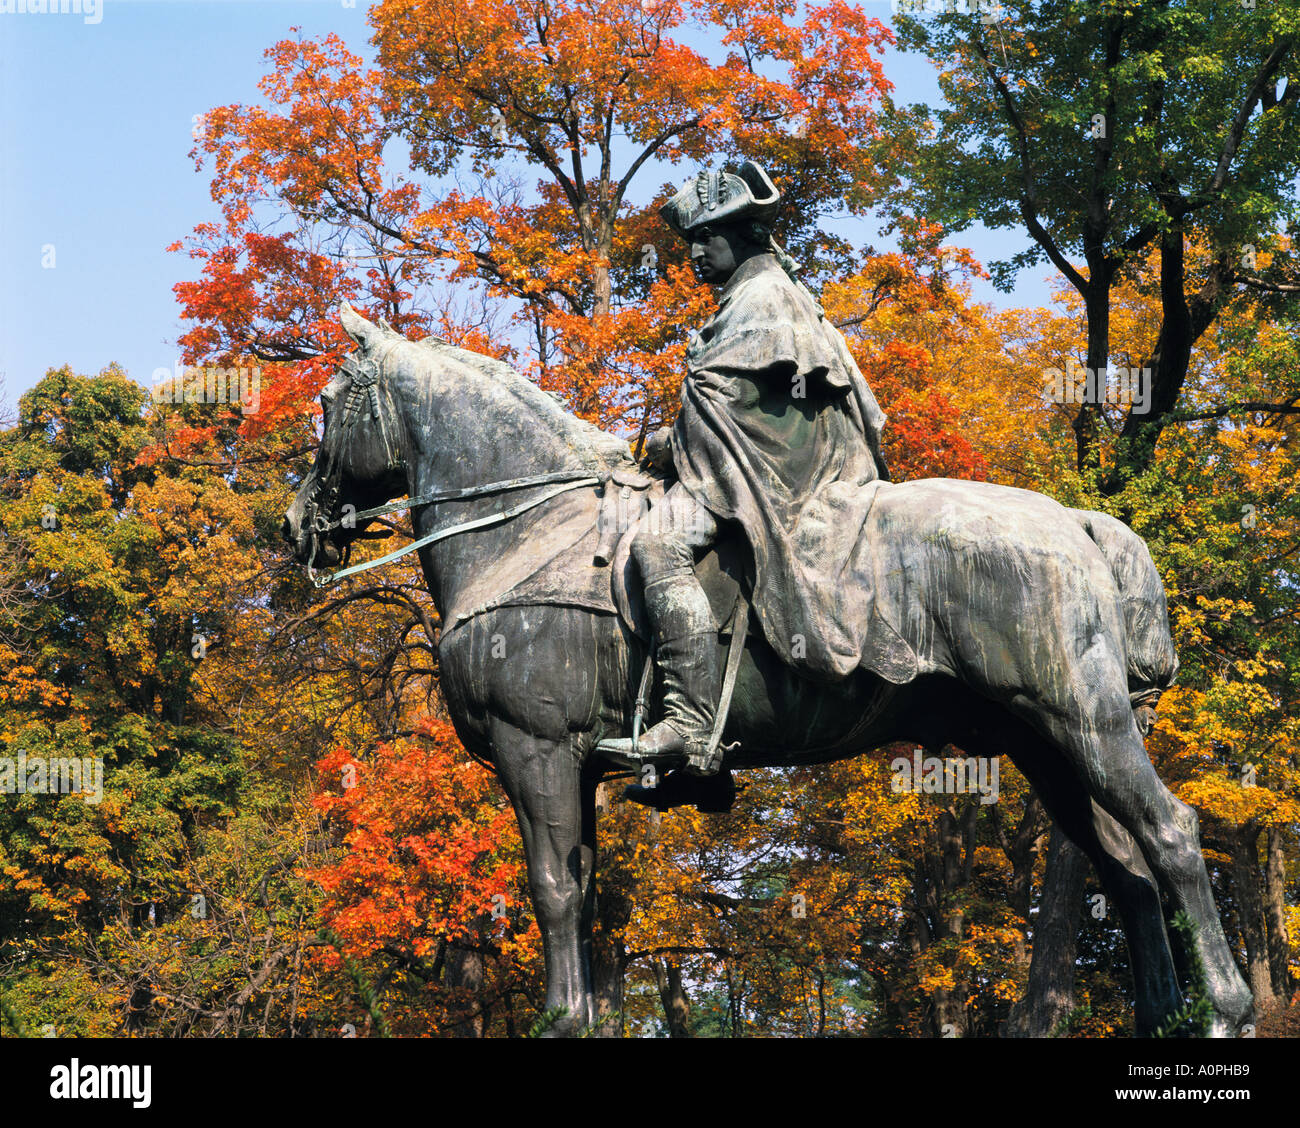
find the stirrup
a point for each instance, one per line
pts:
(706, 759)
(627, 751)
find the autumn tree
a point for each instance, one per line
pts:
(1216, 512)
(119, 583)
(532, 133)
(1104, 131)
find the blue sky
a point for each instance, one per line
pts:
(94, 134)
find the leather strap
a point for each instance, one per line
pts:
(739, 628)
(451, 531)
(642, 708)
(582, 477)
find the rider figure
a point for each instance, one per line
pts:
(778, 434)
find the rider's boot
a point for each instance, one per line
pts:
(688, 662)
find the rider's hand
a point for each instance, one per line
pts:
(659, 448)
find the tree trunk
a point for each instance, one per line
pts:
(677, 1007)
(1279, 942)
(956, 842)
(1249, 896)
(1049, 996)
(1022, 850)
(463, 972)
(1181, 327)
(606, 914)
(1087, 421)
(602, 288)
(608, 966)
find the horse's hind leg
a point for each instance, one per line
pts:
(1168, 832)
(1096, 728)
(543, 780)
(1115, 856)
(1124, 874)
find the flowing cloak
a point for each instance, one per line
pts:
(780, 433)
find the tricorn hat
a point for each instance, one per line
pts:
(722, 197)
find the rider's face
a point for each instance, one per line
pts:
(714, 253)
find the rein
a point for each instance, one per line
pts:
(573, 479)
(578, 477)
(364, 391)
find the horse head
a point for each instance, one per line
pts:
(361, 458)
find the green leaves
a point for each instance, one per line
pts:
(1104, 124)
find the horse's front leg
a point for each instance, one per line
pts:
(544, 782)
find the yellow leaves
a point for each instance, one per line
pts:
(1007, 990)
(938, 979)
(1227, 751)
(1228, 799)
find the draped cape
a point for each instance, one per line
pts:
(779, 433)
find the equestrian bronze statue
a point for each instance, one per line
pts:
(797, 606)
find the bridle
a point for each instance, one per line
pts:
(364, 387)
(364, 390)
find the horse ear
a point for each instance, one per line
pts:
(357, 327)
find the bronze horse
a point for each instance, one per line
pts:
(1041, 634)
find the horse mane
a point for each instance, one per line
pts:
(594, 445)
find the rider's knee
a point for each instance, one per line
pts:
(657, 551)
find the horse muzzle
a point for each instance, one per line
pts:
(310, 545)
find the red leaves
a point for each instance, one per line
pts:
(887, 309)
(528, 126)
(429, 840)
(923, 439)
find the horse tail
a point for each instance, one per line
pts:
(1152, 661)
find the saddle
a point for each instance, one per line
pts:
(580, 558)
